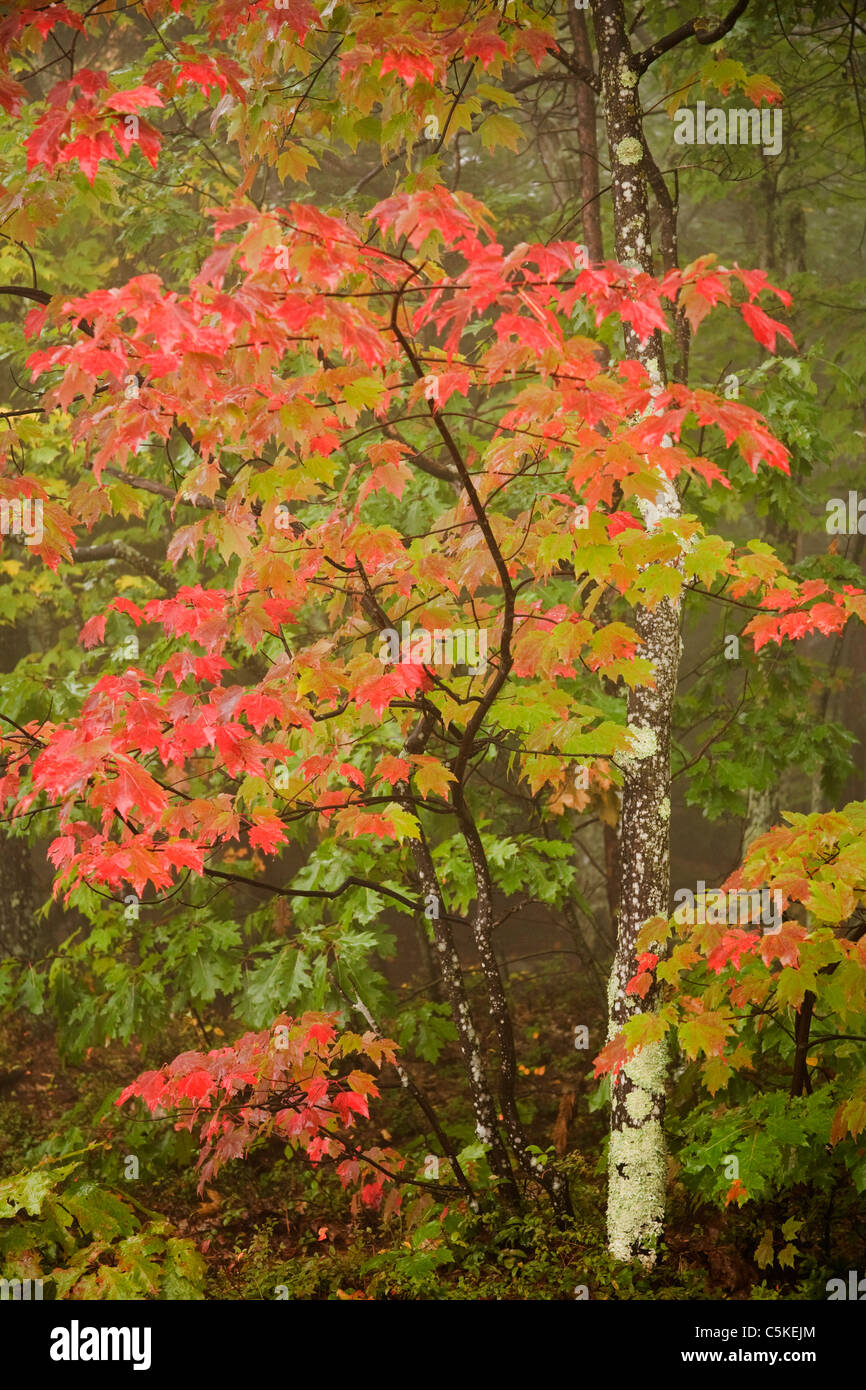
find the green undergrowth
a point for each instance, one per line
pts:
(103, 1203)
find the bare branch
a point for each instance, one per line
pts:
(697, 28)
(120, 550)
(578, 70)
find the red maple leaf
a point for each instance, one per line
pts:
(764, 328)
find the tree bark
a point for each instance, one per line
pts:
(637, 1169)
(587, 134)
(762, 812)
(22, 936)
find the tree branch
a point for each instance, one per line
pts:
(27, 292)
(163, 490)
(351, 882)
(120, 550)
(697, 28)
(578, 70)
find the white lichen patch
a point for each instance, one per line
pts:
(629, 150)
(643, 743)
(637, 1189)
(638, 1162)
(665, 808)
(638, 1104)
(647, 1069)
(627, 78)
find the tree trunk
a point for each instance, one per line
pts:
(637, 1169)
(21, 934)
(587, 135)
(762, 812)
(23, 890)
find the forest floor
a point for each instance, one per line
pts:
(271, 1226)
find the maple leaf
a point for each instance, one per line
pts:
(759, 87)
(499, 130)
(134, 786)
(765, 328)
(484, 43)
(850, 1118)
(352, 774)
(260, 708)
(403, 679)
(408, 66)
(756, 281)
(184, 854)
(125, 605)
(646, 1028)
(390, 769)
(11, 94)
(347, 1103)
(827, 617)
(134, 99)
(92, 633)
(715, 1073)
(764, 630)
(612, 1057)
(622, 521)
(783, 945)
(197, 1085)
(831, 902)
(639, 984)
(266, 831)
(150, 1086)
(654, 929)
(794, 625)
(731, 948)
(61, 850)
(705, 1033)
(736, 1193)
(321, 1033)
(644, 318)
(431, 776)
(203, 73)
(363, 1083)
(641, 981)
(315, 766)
(388, 477)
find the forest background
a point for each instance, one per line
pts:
(319, 321)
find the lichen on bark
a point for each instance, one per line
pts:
(638, 1166)
(638, 1158)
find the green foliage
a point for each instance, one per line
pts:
(87, 1242)
(209, 957)
(778, 1142)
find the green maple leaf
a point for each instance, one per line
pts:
(27, 1191)
(500, 130)
(644, 1029)
(705, 1033)
(765, 1250)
